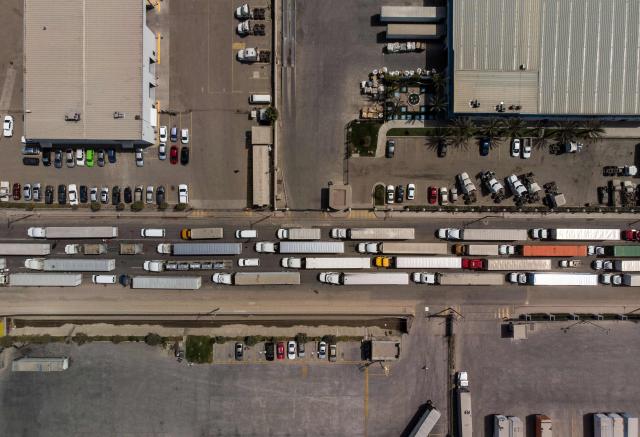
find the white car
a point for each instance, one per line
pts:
(35, 192)
(515, 148)
(183, 193)
(163, 134)
(506, 249)
(246, 233)
(139, 157)
(26, 192)
(149, 197)
(162, 151)
(463, 379)
(7, 127)
(249, 262)
(80, 157)
(411, 192)
(184, 136)
(516, 186)
(291, 350)
(104, 195)
(73, 194)
(526, 149)
(444, 196)
(93, 196)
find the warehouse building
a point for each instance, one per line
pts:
(89, 75)
(545, 58)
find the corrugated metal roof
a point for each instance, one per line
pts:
(585, 51)
(83, 56)
(491, 88)
(260, 175)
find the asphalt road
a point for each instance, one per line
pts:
(318, 298)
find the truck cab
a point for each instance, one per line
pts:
(291, 263)
(449, 234)
(34, 263)
(383, 262)
(539, 234)
(72, 249)
(250, 54)
(282, 234)
(338, 233)
(222, 278)
(154, 266)
(517, 278)
(462, 379)
(424, 278)
(329, 278)
(266, 247)
(243, 11)
(36, 232)
(164, 248)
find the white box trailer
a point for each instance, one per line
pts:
(25, 249)
(516, 428)
(299, 234)
(484, 234)
(482, 250)
(465, 417)
(500, 426)
(559, 279)
(266, 278)
(310, 247)
(386, 278)
(73, 232)
(45, 279)
(166, 282)
(202, 233)
(517, 264)
(468, 278)
(411, 14)
(71, 264)
(200, 249)
(375, 233)
(627, 265)
(426, 423)
(584, 234)
(415, 31)
(630, 425)
(44, 364)
(618, 424)
(327, 263)
(395, 248)
(427, 262)
(602, 425)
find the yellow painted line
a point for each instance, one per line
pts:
(238, 46)
(1, 328)
(158, 120)
(158, 35)
(366, 398)
(305, 371)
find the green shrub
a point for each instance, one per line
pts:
(153, 339)
(163, 206)
(120, 206)
(180, 207)
(199, 349)
(95, 206)
(137, 206)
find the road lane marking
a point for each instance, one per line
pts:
(158, 37)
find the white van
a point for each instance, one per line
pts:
(152, 233)
(256, 99)
(103, 279)
(246, 233)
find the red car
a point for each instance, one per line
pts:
(280, 351)
(173, 155)
(472, 264)
(630, 235)
(433, 195)
(16, 191)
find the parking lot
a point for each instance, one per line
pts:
(577, 175)
(566, 371)
(324, 62)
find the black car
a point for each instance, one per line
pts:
(127, 195)
(391, 148)
(46, 157)
(184, 155)
(239, 351)
(160, 195)
(442, 149)
(101, 158)
(111, 153)
(399, 194)
(48, 195)
(115, 195)
(31, 161)
(485, 145)
(124, 280)
(268, 351)
(62, 194)
(57, 159)
(84, 198)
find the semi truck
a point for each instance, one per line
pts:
(468, 278)
(326, 263)
(44, 364)
(130, 248)
(427, 262)
(166, 282)
(553, 250)
(426, 423)
(476, 249)
(576, 234)
(483, 234)
(300, 247)
(626, 265)
(299, 234)
(201, 233)
(373, 233)
(70, 264)
(543, 426)
(73, 232)
(515, 264)
(86, 249)
(465, 428)
(602, 425)
(257, 278)
(340, 278)
(179, 266)
(254, 55)
(391, 247)
(560, 279)
(500, 426)
(631, 280)
(43, 279)
(25, 249)
(200, 249)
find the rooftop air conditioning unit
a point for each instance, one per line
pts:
(72, 116)
(118, 115)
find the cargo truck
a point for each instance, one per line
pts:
(464, 413)
(179, 266)
(339, 278)
(624, 251)
(44, 279)
(426, 423)
(516, 428)
(631, 280)
(469, 278)
(201, 233)
(70, 264)
(300, 247)
(130, 248)
(257, 278)
(298, 234)
(390, 247)
(517, 264)
(197, 249)
(166, 282)
(630, 425)
(86, 249)
(483, 234)
(500, 426)
(618, 424)
(25, 249)
(570, 234)
(326, 263)
(73, 232)
(427, 262)
(626, 265)
(373, 233)
(476, 249)
(602, 425)
(44, 364)
(559, 279)
(543, 426)
(553, 250)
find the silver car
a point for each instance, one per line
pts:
(139, 157)
(150, 194)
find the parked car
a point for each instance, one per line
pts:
(115, 195)
(139, 157)
(35, 192)
(301, 349)
(183, 193)
(104, 195)
(173, 155)
(163, 134)
(80, 157)
(7, 126)
(162, 151)
(516, 186)
(100, 159)
(71, 162)
(391, 148)
(31, 149)
(248, 262)
(411, 192)
(137, 194)
(73, 194)
(111, 154)
(62, 194)
(268, 351)
(46, 157)
(322, 350)
(333, 352)
(526, 148)
(57, 159)
(184, 155)
(149, 197)
(26, 192)
(442, 149)
(280, 350)
(174, 134)
(515, 148)
(444, 196)
(184, 136)
(432, 195)
(83, 194)
(93, 194)
(291, 350)
(485, 146)
(391, 191)
(472, 264)
(90, 158)
(160, 195)
(48, 195)
(30, 160)
(16, 191)
(239, 351)
(399, 194)
(127, 195)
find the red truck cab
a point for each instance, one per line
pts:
(472, 264)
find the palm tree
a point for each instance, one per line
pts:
(493, 130)
(439, 81)
(439, 136)
(565, 131)
(539, 134)
(514, 127)
(438, 105)
(591, 131)
(460, 131)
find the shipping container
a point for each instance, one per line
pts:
(516, 428)
(468, 278)
(517, 264)
(427, 262)
(71, 264)
(44, 364)
(465, 416)
(425, 425)
(197, 249)
(166, 282)
(25, 249)
(494, 235)
(45, 279)
(624, 251)
(481, 250)
(415, 31)
(311, 247)
(130, 248)
(389, 247)
(266, 278)
(569, 279)
(500, 426)
(374, 233)
(299, 234)
(584, 234)
(618, 424)
(630, 425)
(553, 250)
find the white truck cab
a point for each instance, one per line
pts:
(291, 263)
(222, 278)
(36, 232)
(424, 278)
(265, 247)
(164, 248)
(72, 249)
(449, 234)
(338, 233)
(154, 266)
(329, 278)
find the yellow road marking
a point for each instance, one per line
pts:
(158, 35)
(238, 46)
(305, 371)
(158, 120)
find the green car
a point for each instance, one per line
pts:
(89, 158)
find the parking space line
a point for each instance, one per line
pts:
(158, 37)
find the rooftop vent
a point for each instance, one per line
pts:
(118, 115)
(72, 116)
